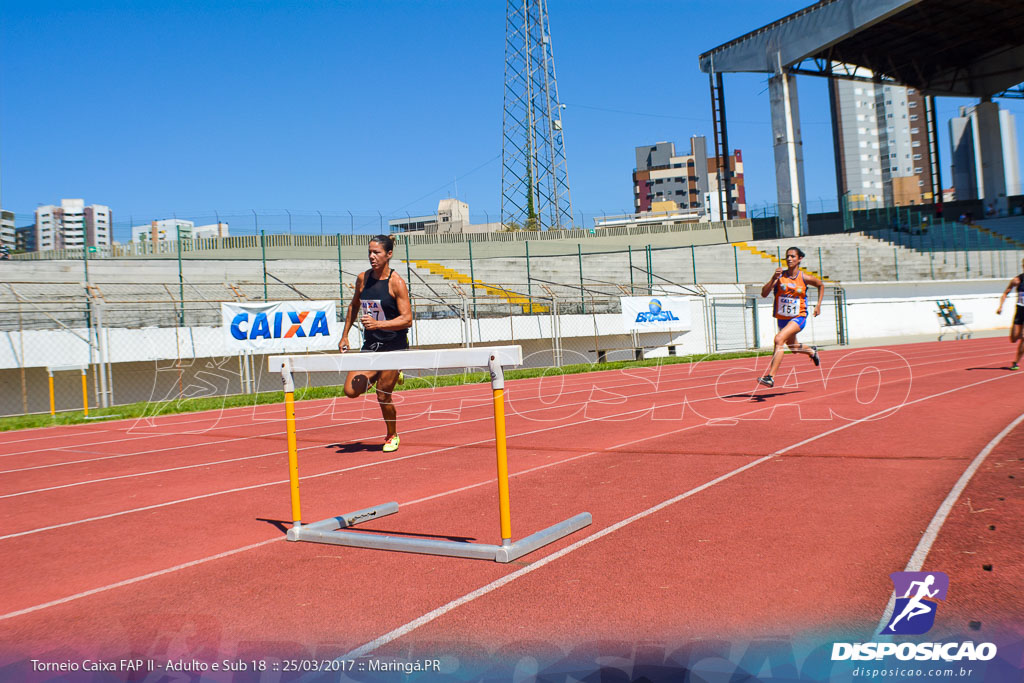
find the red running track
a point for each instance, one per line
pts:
(719, 510)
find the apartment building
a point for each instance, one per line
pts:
(666, 181)
(883, 153)
(73, 225)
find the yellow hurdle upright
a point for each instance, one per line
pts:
(504, 512)
(50, 369)
(330, 530)
(293, 451)
(85, 393)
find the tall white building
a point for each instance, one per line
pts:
(7, 229)
(970, 158)
(883, 144)
(73, 225)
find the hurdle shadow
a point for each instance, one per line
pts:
(455, 539)
(356, 447)
(283, 526)
(279, 524)
(761, 398)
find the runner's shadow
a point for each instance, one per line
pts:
(761, 398)
(1000, 368)
(358, 446)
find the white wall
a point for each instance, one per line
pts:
(895, 309)
(877, 309)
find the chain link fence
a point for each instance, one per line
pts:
(145, 343)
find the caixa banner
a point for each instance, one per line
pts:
(656, 313)
(281, 326)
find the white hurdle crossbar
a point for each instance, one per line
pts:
(328, 530)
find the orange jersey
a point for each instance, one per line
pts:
(791, 297)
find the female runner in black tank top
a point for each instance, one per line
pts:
(386, 315)
(1017, 327)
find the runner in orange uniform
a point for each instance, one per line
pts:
(790, 287)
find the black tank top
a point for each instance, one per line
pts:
(376, 301)
(1020, 290)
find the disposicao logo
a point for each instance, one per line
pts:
(654, 313)
(917, 596)
(263, 327)
(915, 611)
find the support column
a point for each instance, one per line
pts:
(789, 155)
(989, 151)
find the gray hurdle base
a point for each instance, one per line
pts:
(327, 531)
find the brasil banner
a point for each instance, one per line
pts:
(656, 313)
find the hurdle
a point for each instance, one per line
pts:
(329, 530)
(50, 369)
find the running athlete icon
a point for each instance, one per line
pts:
(916, 605)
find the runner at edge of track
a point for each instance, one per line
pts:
(382, 297)
(790, 287)
(1017, 328)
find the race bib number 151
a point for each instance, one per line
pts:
(789, 306)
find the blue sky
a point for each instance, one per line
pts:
(186, 108)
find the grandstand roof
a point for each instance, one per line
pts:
(941, 47)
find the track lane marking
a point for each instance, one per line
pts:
(708, 422)
(494, 585)
(924, 546)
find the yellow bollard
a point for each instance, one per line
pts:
(499, 440)
(53, 410)
(85, 393)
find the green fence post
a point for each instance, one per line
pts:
(408, 263)
(631, 292)
(88, 299)
(942, 238)
(579, 254)
(693, 263)
(263, 249)
(529, 283)
(181, 284)
(821, 267)
(860, 278)
(931, 263)
(341, 277)
(650, 269)
(472, 277)
(896, 262)
(736, 262)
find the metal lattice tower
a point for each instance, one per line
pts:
(534, 179)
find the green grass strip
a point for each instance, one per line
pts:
(148, 409)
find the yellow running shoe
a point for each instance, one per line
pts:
(391, 445)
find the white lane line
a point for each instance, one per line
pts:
(137, 579)
(430, 616)
(450, 393)
(924, 546)
(463, 406)
(416, 455)
(407, 628)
